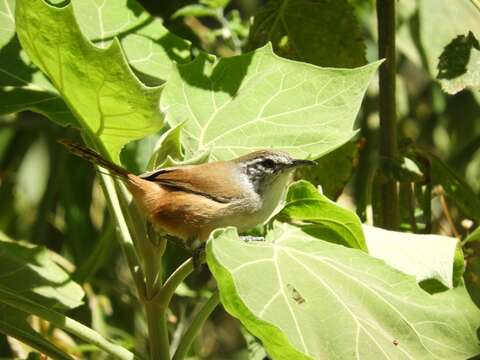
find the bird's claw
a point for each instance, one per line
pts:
(198, 257)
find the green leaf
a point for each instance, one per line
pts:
(215, 4)
(83, 332)
(149, 47)
(22, 87)
(433, 37)
(308, 298)
(258, 100)
(97, 84)
(13, 323)
(423, 256)
(459, 64)
(29, 190)
(101, 21)
(473, 237)
(333, 170)
(31, 271)
(324, 33)
(167, 149)
(323, 218)
(194, 10)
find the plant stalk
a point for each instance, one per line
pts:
(388, 124)
(123, 232)
(157, 331)
(195, 326)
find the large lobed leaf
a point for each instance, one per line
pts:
(308, 298)
(97, 84)
(303, 30)
(149, 47)
(259, 100)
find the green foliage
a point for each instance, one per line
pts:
(303, 30)
(433, 37)
(333, 170)
(32, 271)
(322, 285)
(149, 47)
(458, 64)
(195, 10)
(447, 52)
(312, 289)
(305, 205)
(112, 104)
(22, 87)
(424, 256)
(250, 102)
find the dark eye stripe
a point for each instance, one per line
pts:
(268, 163)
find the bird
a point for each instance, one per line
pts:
(188, 202)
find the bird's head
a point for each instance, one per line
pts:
(266, 167)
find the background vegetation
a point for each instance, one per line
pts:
(55, 220)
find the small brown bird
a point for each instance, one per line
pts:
(190, 201)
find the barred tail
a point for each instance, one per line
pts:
(93, 157)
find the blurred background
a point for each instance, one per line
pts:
(49, 197)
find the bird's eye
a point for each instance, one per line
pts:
(268, 163)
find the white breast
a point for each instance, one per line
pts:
(266, 205)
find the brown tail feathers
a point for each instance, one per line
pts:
(93, 157)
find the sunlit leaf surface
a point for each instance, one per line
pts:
(259, 100)
(97, 84)
(304, 297)
(31, 271)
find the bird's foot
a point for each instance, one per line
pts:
(198, 257)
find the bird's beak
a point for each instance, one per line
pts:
(300, 162)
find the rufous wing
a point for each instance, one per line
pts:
(219, 181)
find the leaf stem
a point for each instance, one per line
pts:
(166, 293)
(193, 329)
(65, 323)
(388, 124)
